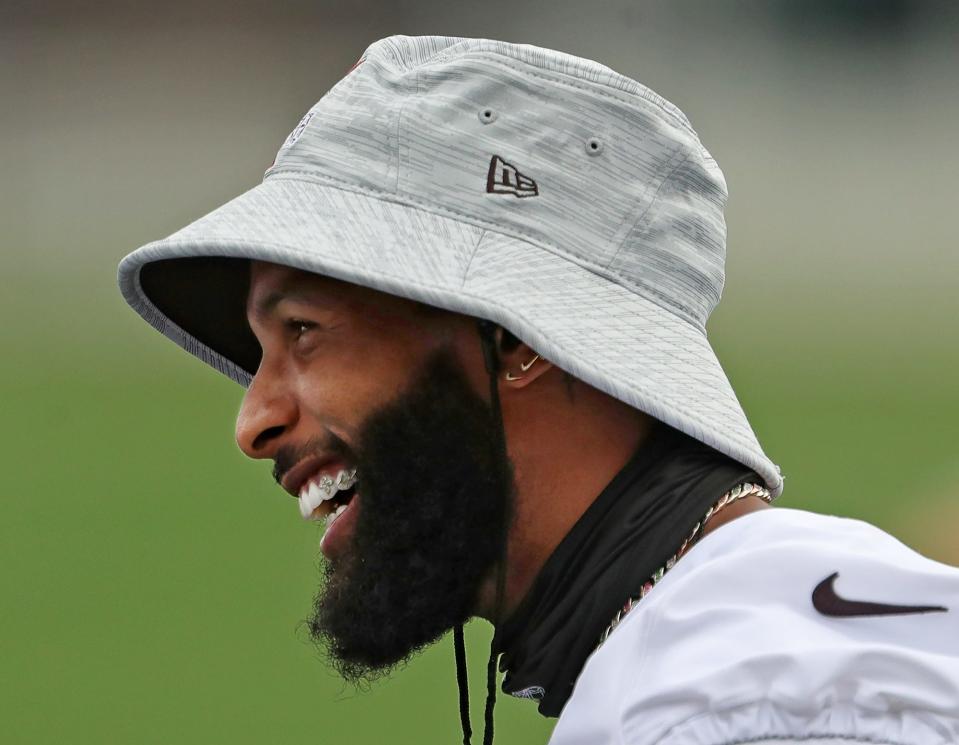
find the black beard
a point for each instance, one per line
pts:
(436, 492)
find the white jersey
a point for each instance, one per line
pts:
(730, 647)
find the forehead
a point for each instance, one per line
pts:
(271, 284)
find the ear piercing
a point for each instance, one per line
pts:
(524, 367)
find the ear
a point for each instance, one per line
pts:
(520, 366)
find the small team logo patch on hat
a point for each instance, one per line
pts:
(298, 129)
(504, 178)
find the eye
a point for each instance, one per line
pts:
(297, 326)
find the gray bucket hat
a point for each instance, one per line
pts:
(544, 192)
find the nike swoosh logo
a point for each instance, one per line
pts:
(827, 602)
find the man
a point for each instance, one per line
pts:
(468, 304)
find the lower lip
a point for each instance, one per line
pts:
(336, 539)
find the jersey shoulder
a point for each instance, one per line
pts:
(733, 642)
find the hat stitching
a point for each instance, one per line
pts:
(632, 219)
(466, 271)
(402, 143)
(652, 202)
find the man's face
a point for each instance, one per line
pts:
(352, 378)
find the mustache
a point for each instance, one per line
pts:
(288, 456)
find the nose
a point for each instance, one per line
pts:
(267, 414)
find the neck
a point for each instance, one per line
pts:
(563, 457)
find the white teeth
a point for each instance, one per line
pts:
(305, 509)
(320, 489)
(335, 514)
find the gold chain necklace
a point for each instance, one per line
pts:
(736, 493)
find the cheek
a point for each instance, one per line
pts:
(328, 393)
(340, 388)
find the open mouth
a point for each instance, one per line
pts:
(325, 496)
(337, 505)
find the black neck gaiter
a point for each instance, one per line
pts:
(632, 528)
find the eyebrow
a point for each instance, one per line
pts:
(268, 304)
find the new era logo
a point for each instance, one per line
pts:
(503, 178)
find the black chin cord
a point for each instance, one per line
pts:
(462, 682)
(487, 331)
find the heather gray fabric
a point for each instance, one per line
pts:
(809, 741)
(545, 192)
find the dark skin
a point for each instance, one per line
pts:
(333, 351)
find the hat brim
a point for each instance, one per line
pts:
(599, 331)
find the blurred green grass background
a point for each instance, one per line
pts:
(154, 580)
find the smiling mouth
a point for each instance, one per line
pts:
(325, 496)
